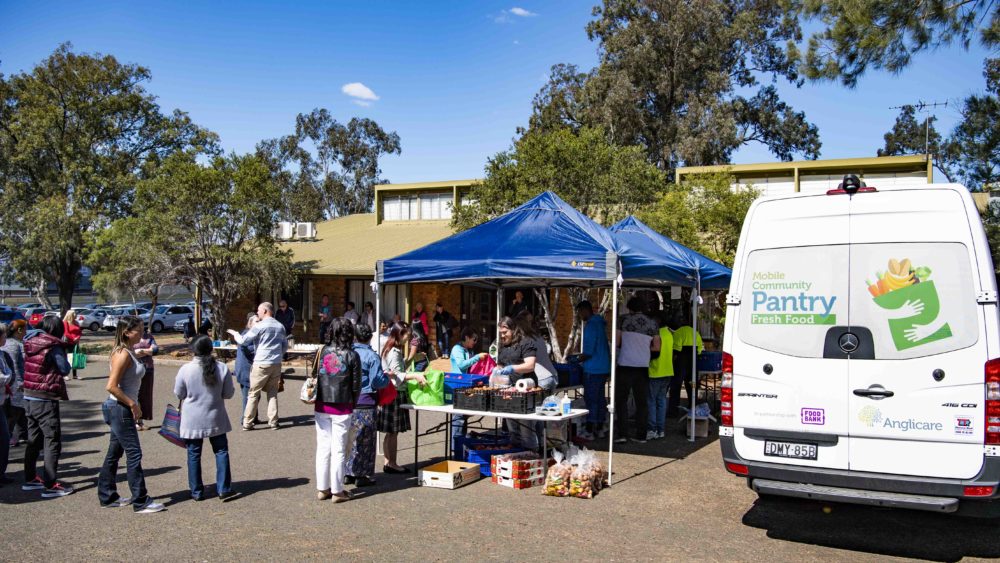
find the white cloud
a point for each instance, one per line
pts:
(362, 103)
(504, 16)
(359, 91)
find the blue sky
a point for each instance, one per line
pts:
(453, 79)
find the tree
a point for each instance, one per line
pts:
(683, 80)
(991, 223)
(703, 213)
(76, 133)
(908, 136)
(856, 35)
(334, 167)
(603, 181)
(974, 145)
(219, 219)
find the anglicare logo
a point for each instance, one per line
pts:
(870, 416)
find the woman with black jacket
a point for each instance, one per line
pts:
(338, 384)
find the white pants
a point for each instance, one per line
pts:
(331, 451)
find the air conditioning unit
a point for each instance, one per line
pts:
(305, 230)
(284, 230)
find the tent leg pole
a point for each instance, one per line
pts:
(614, 370)
(694, 355)
(499, 316)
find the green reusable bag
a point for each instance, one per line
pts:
(76, 359)
(430, 395)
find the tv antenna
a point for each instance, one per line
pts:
(924, 107)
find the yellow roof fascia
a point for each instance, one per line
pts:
(426, 185)
(906, 163)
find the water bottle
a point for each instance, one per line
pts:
(565, 405)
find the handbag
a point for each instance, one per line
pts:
(308, 393)
(76, 359)
(171, 427)
(387, 395)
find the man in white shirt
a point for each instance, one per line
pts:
(350, 314)
(638, 338)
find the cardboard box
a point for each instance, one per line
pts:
(449, 474)
(512, 483)
(700, 427)
(520, 468)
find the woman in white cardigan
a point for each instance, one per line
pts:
(203, 385)
(391, 419)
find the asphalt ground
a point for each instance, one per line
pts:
(671, 500)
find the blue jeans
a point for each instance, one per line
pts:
(124, 440)
(245, 390)
(658, 403)
(4, 443)
(593, 396)
(223, 479)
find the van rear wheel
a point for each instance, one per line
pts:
(94, 327)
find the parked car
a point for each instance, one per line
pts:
(91, 318)
(862, 366)
(166, 316)
(26, 306)
(110, 321)
(35, 315)
(9, 314)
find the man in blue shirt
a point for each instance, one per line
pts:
(268, 336)
(596, 358)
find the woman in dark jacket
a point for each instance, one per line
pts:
(45, 370)
(338, 385)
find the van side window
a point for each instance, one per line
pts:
(918, 299)
(791, 297)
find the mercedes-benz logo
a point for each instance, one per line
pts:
(849, 342)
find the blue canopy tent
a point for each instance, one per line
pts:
(649, 258)
(543, 243)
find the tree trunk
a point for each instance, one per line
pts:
(41, 293)
(154, 296)
(543, 298)
(65, 284)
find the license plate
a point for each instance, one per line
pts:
(790, 449)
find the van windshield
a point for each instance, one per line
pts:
(792, 296)
(919, 299)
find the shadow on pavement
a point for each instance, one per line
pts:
(881, 531)
(81, 478)
(245, 488)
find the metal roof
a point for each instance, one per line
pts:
(350, 246)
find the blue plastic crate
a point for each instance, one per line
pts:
(458, 443)
(710, 361)
(453, 381)
(483, 458)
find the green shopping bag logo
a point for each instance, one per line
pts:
(920, 325)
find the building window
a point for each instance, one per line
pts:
(428, 207)
(435, 206)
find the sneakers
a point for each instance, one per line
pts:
(621, 440)
(150, 508)
(247, 426)
(275, 426)
(35, 484)
(342, 496)
(118, 503)
(660, 435)
(651, 435)
(57, 490)
(323, 495)
(226, 497)
(639, 440)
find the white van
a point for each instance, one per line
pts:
(862, 350)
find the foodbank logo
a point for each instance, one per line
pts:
(911, 295)
(870, 416)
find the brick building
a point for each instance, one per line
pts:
(339, 261)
